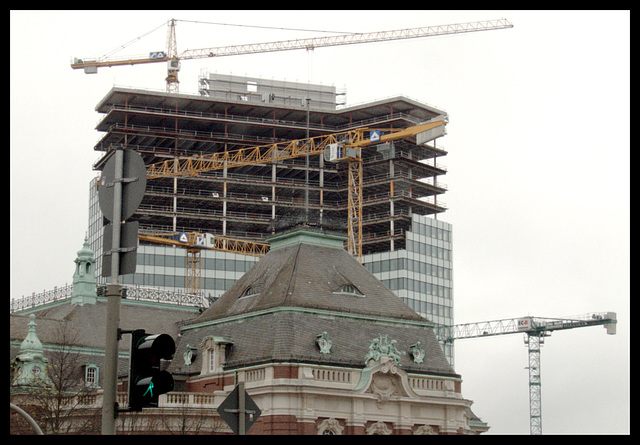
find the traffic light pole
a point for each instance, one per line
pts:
(114, 292)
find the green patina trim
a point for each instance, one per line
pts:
(307, 237)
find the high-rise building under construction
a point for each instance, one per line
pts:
(403, 243)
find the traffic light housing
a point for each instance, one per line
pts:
(146, 380)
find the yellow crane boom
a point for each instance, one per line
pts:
(348, 143)
(280, 151)
(222, 244)
(193, 267)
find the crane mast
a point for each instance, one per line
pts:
(535, 329)
(173, 61)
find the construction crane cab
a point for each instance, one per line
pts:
(339, 153)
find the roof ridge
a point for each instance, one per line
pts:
(294, 269)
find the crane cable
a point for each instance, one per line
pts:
(123, 46)
(132, 41)
(266, 27)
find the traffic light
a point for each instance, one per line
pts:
(146, 380)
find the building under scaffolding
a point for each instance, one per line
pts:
(403, 243)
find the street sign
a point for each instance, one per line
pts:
(134, 183)
(229, 410)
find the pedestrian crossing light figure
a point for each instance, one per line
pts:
(149, 390)
(146, 381)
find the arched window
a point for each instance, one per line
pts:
(330, 427)
(349, 289)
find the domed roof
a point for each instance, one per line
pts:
(31, 343)
(85, 252)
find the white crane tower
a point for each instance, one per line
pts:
(535, 329)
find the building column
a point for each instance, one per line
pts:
(391, 207)
(224, 197)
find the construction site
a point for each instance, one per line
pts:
(400, 178)
(253, 189)
(247, 157)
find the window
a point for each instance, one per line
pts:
(214, 353)
(212, 359)
(330, 427)
(252, 290)
(349, 289)
(91, 375)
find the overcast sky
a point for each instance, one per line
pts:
(538, 168)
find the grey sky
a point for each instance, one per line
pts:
(538, 168)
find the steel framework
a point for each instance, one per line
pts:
(353, 141)
(534, 342)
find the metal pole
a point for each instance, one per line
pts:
(241, 410)
(114, 292)
(28, 418)
(306, 177)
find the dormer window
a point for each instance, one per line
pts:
(214, 354)
(91, 375)
(250, 292)
(349, 289)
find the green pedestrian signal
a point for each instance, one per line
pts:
(149, 390)
(146, 381)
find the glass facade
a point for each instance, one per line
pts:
(164, 267)
(421, 275)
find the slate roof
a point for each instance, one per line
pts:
(88, 321)
(293, 294)
(309, 276)
(87, 327)
(289, 336)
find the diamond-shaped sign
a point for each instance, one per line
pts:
(230, 412)
(183, 237)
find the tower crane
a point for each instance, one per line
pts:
(336, 147)
(173, 58)
(535, 329)
(194, 243)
